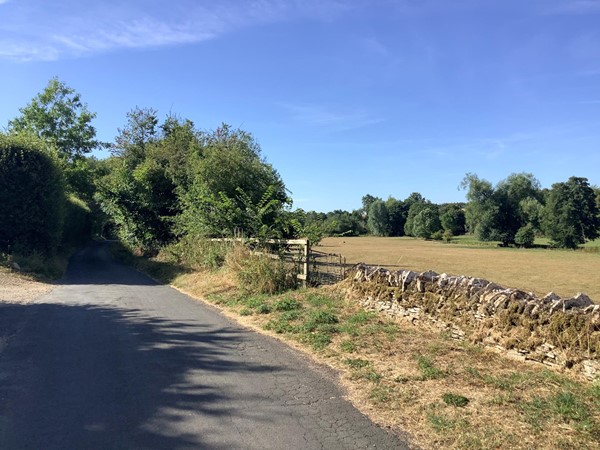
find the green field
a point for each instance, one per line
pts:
(539, 270)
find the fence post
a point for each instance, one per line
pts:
(306, 262)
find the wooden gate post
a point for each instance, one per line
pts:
(306, 262)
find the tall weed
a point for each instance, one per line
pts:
(198, 253)
(259, 273)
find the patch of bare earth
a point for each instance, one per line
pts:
(18, 288)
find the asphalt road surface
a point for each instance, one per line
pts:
(112, 360)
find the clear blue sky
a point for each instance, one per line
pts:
(345, 97)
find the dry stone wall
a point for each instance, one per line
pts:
(559, 332)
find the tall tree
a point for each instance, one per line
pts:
(397, 213)
(379, 220)
(517, 192)
(58, 116)
(571, 215)
(481, 208)
(452, 218)
(417, 204)
(233, 188)
(139, 132)
(140, 192)
(498, 213)
(367, 200)
(426, 222)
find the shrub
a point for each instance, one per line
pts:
(448, 235)
(258, 272)
(437, 236)
(32, 196)
(525, 236)
(199, 253)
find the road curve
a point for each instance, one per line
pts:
(112, 360)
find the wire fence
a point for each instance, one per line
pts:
(326, 268)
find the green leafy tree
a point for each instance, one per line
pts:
(310, 225)
(61, 120)
(230, 178)
(141, 203)
(180, 142)
(516, 191)
(414, 197)
(571, 215)
(426, 222)
(532, 212)
(497, 213)
(481, 207)
(417, 204)
(378, 219)
(397, 213)
(452, 218)
(140, 131)
(345, 223)
(367, 200)
(82, 175)
(58, 116)
(139, 194)
(525, 236)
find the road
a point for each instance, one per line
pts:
(112, 360)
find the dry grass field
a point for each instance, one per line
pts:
(540, 271)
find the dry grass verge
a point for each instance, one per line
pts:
(21, 288)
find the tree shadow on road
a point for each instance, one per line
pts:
(94, 264)
(102, 377)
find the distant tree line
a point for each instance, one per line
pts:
(167, 179)
(413, 216)
(514, 212)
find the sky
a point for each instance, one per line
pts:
(346, 98)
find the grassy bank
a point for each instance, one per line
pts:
(444, 393)
(37, 266)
